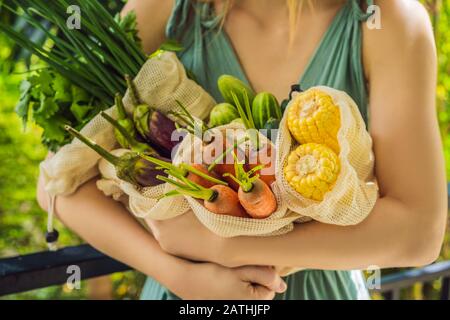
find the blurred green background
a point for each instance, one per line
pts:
(22, 222)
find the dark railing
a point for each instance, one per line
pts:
(392, 284)
(44, 269)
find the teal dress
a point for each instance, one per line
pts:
(336, 63)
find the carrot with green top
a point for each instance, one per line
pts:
(258, 152)
(218, 199)
(254, 195)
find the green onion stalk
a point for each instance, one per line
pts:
(94, 57)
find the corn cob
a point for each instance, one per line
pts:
(314, 118)
(312, 169)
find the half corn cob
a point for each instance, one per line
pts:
(314, 118)
(312, 169)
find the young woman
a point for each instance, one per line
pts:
(272, 44)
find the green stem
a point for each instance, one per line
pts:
(133, 93)
(241, 111)
(141, 147)
(102, 152)
(247, 118)
(202, 175)
(203, 194)
(225, 153)
(163, 164)
(120, 107)
(244, 179)
(248, 108)
(192, 121)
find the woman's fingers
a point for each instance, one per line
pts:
(262, 276)
(261, 292)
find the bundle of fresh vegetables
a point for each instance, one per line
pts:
(238, 173)
(79, 71)
(140, 123)
(84, 71)
(264, 111)
(324, 158)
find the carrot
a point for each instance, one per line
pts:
(266, 157)
(220, 165)
(197, 173)
(226, 202)
(254, 195)
(218, 199)
(257, 154)
(194, 175)
(260, 201)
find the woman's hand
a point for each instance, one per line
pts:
(210, 281)
(184, 236)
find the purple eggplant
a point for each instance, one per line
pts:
(130, 167)
(154, 126)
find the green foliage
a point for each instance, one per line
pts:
(51, 101)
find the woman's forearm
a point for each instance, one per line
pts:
(390, 237)
(106, 225)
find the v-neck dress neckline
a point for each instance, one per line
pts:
(311, 59)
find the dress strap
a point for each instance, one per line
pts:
(191, 15)
(359, 13)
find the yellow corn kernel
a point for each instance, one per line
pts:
(312, 170)
(314, 118)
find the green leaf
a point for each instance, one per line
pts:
(45, 79)
(80, 112)
(22, 106)
(47, 108)
(53, 127)
(171, 45)
(79, 95)
(62, 89)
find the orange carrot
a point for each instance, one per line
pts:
(254, 195)
(260, 201)
(266, 157)
(196, 178)
(226, 202)
(220, 165)
(218, 199)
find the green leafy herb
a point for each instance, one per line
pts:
(51, 101)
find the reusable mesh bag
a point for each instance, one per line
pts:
(142, 202)
(280, 222)
(355, 191)
(161, 82)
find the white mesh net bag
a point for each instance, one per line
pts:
(161, 82)
(355, 192)
(142, 202)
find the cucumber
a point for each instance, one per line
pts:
(264, 107)
(271, 124)
(228, 84)
(222, 114)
